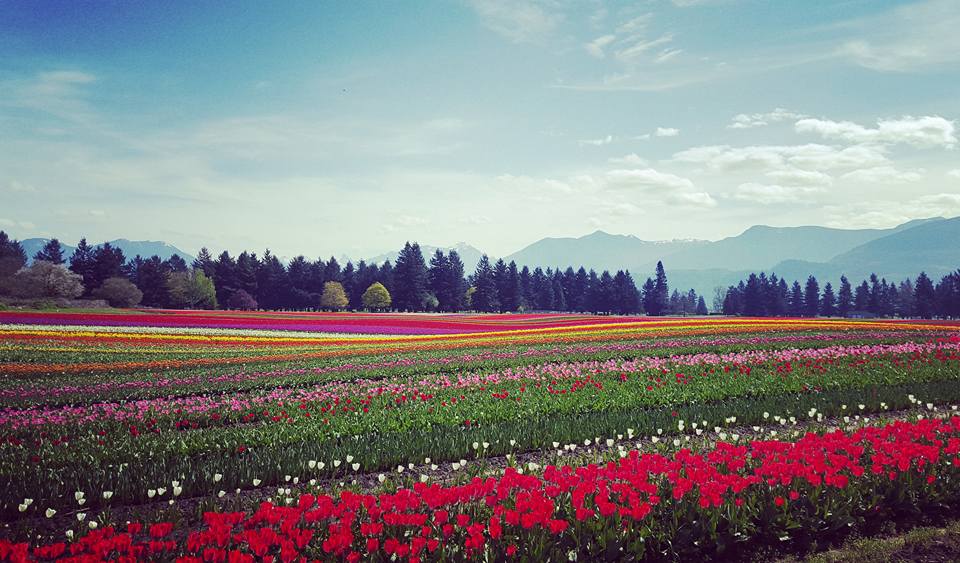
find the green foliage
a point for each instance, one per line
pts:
(191, 290)
(334, 297)
(376, 297)
(119, 292)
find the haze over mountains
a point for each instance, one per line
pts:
(130, 248)
(931, 245)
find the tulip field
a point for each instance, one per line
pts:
(247, 436)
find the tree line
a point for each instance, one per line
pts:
(409, 284)
(769, 296)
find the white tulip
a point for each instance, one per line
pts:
(107, 495)
(81, 516)
(151, 493)
(217, 477)
(50, 512)
(349, 458)
(356, 466)
(92, 524)
(256, 482)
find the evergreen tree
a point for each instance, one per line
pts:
(176, 263)
(437, 280)
(702, 307)
(543, 290)
(410, 279)
(500, 279)
(845, 297)
(246, 273)
(662, 290)
(905, 302)
(527, 298)
(152, 281)
(108, 261)
(225, 277)
(51, 252)
(649, 296)
(811, 297)
(81, 262)
(455, 284)
(484, 298)
(273, 288)
(828, 302)
(12, 259)
(861, 298)
(795, 305)
(924, 297)
(626, 298)
(509, 290)
(753, 297)
(876, 294)
(298, 276)
(204, 261)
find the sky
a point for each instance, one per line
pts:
(347, 128)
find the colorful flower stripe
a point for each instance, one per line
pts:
(540, 376)
(777, 489)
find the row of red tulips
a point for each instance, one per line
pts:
(640, 504)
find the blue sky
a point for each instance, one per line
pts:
(350, 127)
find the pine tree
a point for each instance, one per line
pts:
(753, 297)
(845, 297)
(796, 305)
(662, 290)
(455, 283)
(811, 297)
(410, 279)
(51, 252)
(81, 262)
(437, 280)
(108, 261)
(702, 307)
(246, 273)
(204, 261)
(828, 302)
(225, 277)
(484, 297)
(649, 296)
(924, 297)
(176, 263)
(861, 298)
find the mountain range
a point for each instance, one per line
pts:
(130, 248)
(931, 245)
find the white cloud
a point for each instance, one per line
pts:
(640, 47)
(536, 186)
(632, 159)
(954, 173)
(695, 199)
(809, 156)
(749, 121)
(520, 21)
(798, 177)
(885, 214)
(647, 178)
(666, 132)
(909, 38)
(667, 54)
(769, 194)
(401, 222)
(596, 142)
(927, 131)
(884, 175)
(597, 46)
(20, 187)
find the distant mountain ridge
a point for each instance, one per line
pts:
(791, 252)
(469, 255)
(130, 248)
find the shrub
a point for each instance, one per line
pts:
(46, 279)
(119, 292)
(241, 300)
